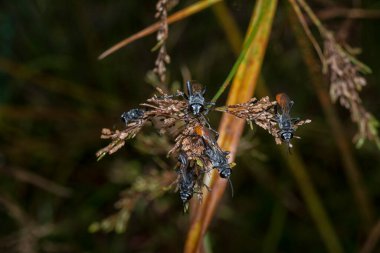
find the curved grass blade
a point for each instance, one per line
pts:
(247, 69)
(182, 14)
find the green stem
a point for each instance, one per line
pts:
(242, 56)
(316, 209)
(322, 30)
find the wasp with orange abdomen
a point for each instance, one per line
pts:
(284, 120)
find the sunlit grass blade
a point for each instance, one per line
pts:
(247, 70)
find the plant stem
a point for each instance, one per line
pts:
(179, 15)
(229, 25)
(231, 128)
(322, 30)
(309, 34)
(351, 168)
(310, 195)
(313, 202)
(252, 31)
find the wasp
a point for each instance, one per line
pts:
(187, 179)
(196, 99)
(217, 156)
(284, 121)
(132, 115)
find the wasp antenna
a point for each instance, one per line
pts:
(291, 103)
(185, 207)
(232, 187)
(276, 109)
(290, 148)
(188, 86)
(204, 91)
(295, 120)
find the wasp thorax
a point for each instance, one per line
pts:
(286, 124)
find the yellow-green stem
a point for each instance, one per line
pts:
(231, 128)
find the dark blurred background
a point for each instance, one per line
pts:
(55, 97)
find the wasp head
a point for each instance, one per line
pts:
(196, 98)
(287, 136)
(196, 109)
(225, 172)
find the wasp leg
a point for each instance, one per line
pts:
(209, 106)
(291, 103)
(295, 120)
(207, 187)
(212, 129)
(232, 187)
(276, 109)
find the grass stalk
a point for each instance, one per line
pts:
(229, 26)
(313, 202)
(231, 128)
(350, 166)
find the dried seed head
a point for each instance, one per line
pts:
(145, 187)
(119, 137)
(261, 112)
(189, 142)
(345, 84)
(162, 58)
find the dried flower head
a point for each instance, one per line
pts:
(346, 82)
(188, 142)
(195, 146)
(163, 109)
(166, 111)
(119, 137)
(162, 58)
(147, 188)
(262, 113)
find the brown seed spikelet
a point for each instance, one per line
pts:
(163, 57)
(119, 137)
(345, 84)
(261, 112)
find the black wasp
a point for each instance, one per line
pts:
(187, 179)
(196, 100)
(217, 156)
(132, 115)
(284, 121)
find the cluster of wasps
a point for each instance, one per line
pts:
(196, 148)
